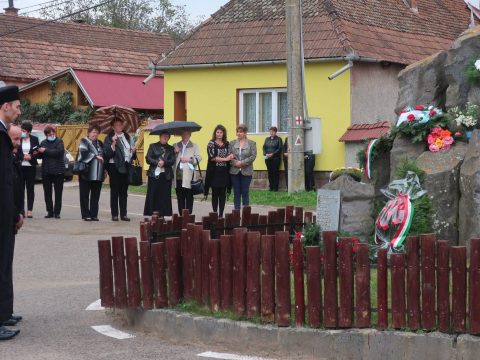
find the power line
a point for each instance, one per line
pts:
(39, 4)
(44, 7)
(54, 20)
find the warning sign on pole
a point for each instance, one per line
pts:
(298, 141)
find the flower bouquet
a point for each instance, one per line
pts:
(355, 173)
(415, 123)
(439, 139)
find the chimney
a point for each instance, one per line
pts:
(412, 5)
(11, 10)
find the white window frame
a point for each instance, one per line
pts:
(257, 92)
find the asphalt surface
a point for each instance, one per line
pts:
(56, 278)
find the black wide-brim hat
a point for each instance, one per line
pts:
(8, 94)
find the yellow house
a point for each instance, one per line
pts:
(232, 68)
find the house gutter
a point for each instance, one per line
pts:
(268, 62)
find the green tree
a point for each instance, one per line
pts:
(147, 15)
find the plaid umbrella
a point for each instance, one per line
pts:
(103, 117)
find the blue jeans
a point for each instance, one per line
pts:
(241, 186)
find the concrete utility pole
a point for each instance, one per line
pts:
(295, 96)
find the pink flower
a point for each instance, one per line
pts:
(430, 139)
(447, 141)
(403, 111)
(432, 113)
(458, 133)
(437, 130)
(419, 107)
(411, 117)
(433, 148)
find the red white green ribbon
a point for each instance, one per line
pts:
(404, 227)
(368, 154)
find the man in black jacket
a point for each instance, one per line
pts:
(9, 111)
(272, 151)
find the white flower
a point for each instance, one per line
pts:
(477, 65)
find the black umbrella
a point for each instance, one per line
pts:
(176, 127)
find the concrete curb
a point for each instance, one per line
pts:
(270, 340)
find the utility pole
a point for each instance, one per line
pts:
(295, 96)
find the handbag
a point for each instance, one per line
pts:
(79, 167)
(135, 174)
(197, 186)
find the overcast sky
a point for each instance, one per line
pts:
(196, 8)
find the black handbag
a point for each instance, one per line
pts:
(135, 174)
(79, 167)
(197, 186)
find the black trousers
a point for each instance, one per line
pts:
(309, 164)
(285, 166)
(218, 200)
(57, 182)
(7, 244)
(184, 198)
(273, 166)
(89, 197)
(118, 191)
(29, 184)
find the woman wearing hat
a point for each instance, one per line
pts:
(161, 158)
(272, 151)
(118, 153)
(241, 170)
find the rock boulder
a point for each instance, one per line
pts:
(403, 149)
(441, 183)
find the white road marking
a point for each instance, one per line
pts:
(109, 331)
(215, 355)
(95, 306)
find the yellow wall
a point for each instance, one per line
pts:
(212, 99)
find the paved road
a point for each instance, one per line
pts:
(56, 278)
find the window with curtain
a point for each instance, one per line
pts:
(261, 109)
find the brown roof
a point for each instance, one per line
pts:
(41, 51)
(385, 30)
(361, 132)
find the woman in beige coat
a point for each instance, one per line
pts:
(241, 168)
(188, 156)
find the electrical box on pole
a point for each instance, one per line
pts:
(313, 136)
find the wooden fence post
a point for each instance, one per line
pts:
(263, 220)
(205, 235)
(330, 302)
(443, 285)
(197, 263)
(106, 273)
(413, 281)
(398, 290)
(143, 232)
(226, 269)
(282, 269)
(147, 276)
(159, 275)
(474, 286)
(214, 274)
(382, 289)
(239, 265)
(280, 219)
(133, 273)
(289, 218)
(228, 224)
(185, 218)
(268, 278)
(299, 282)
(345, 270)
(459, 288)
(362, 287)
(120, 276)
(428, 281)
(272, 219)
(174, 262)
(314, 286)
(253, 274)
(298, 218)
(246, 212)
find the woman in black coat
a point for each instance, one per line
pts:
(90, 152)
(29, 163)
(161, 158)
(52, 152)
(118, 154)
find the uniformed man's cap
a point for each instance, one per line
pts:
(8, 94)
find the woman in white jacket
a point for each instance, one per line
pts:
(188, 156)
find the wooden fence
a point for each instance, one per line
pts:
(247, 269)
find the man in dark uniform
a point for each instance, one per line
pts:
(9, 111)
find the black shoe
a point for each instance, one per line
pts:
(114, 218)
(57, 216)
(6, 334)
(124, 218)
(87, 219)
(10, 322)
(95, 219)
(16, 317)
(48, 216)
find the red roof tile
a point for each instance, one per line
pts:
(361, 132)
(44, 50)
(385, 30)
